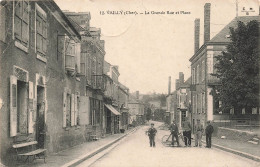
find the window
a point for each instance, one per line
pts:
(193, 104)
(41, 31)
(203, 102)
(68, 109)
(96, 107)
(198, 74)
(193, 76)
(89, 60)
(83, 63)
(196, 103)
(77, 111)
(202, 70)
(70, 53)
(21, 22)
(94, 72)
(210, 64)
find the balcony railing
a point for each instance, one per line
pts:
(97, 82)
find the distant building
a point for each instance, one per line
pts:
(136, 109)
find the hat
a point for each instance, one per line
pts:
(152, 123)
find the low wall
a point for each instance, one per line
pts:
(234, 134)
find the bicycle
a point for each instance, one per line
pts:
(167, 139)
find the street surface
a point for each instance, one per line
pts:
(135, 151)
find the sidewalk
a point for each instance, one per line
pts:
(244, 149)
(78, 153)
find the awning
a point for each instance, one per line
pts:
(112, 109)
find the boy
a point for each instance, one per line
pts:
(209, 130)
(198, 133)
(151, 133)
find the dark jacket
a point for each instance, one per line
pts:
(209, 129)
(152, 132)
(174, 128)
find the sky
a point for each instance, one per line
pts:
(150, 48)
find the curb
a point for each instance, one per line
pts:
(82, 158)
(243, 154)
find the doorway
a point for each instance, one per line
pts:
(40, 117)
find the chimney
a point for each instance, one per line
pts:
(169, 86)
(196, 35)
(177, 84)
(137, 95)
(207, 22)
(181, 78)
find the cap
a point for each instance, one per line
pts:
(152, 123)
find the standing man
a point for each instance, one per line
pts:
(174, 132)
(198, 133)
(151, 133)
(187, 132)
(209, 130)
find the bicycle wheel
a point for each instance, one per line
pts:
(166, 140)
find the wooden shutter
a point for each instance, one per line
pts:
(83, 63)
(31, 109)
(76, 109)
(78, 56)
(64, 108)
(72, 115)
(13, 105)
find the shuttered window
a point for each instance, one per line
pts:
(21, 21)
(41, 31)
(202, 70)
(13, 106)
(83, 63)
(70, 53)
(89, 60)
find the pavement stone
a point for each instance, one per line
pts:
(75, 153)
(241, 148)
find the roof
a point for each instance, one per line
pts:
(221, 36)
(58, 12)
(76, 25)
(186, 84)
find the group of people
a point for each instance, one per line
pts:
(198, 132)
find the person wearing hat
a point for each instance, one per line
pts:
(198, 133)
(209, 130)
(151, 133)
(174, 132)
(187, 132)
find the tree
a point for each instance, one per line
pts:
(238, 69)
(148, 114)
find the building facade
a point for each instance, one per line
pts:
(205, 107)
(41, 49)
